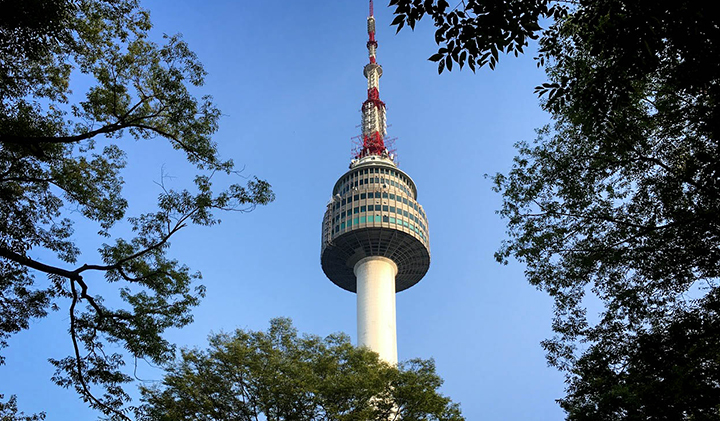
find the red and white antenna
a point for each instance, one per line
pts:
(374, 123)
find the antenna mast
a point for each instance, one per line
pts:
(374, 123)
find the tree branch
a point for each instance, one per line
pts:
(26, 261)
(109, 128)
(78, 359)
(75, 274)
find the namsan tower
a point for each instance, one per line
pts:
(374, 233)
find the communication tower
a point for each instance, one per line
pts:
(374, 233)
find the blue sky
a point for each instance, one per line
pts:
(288, 78)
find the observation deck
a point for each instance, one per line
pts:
(374, 212)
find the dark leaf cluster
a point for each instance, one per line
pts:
(667, 373)
(9, 411)
(476, 32)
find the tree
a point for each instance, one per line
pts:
(60, 161)
(9, 411)
(619, 198)
(278, 375)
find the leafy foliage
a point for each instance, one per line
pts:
(618, 200)
(9, 411)
(475, 32)
(668, 373)
(61, 161)
(279, 375)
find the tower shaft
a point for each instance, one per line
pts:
(376, 327)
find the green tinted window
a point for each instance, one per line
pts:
(363, 219)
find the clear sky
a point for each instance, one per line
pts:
(288, 78)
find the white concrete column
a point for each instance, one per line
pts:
(376, 306)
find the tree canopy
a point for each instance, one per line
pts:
(280, 375)
(618, 201)
(61, 160)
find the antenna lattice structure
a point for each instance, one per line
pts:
(374, 121)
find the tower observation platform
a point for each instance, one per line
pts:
(375, 239)
(374, 212)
